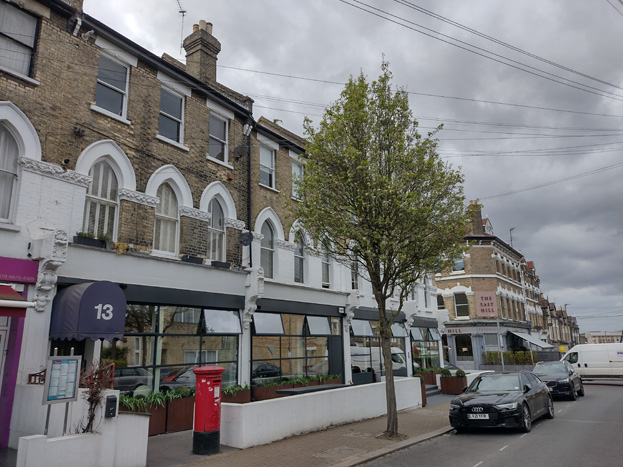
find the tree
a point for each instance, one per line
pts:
(376, 191)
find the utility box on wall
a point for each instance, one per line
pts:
(110, 410)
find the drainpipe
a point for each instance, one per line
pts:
(249, 196)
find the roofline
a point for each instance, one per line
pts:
(493, 237)
(263, 130)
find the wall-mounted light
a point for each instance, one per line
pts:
(78, 131)
(246, 129)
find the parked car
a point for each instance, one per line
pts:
(185, 377)
(265, 370)
(509, 400)
(603, 361)
(128, 379)
(561, 379)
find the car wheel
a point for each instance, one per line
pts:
(572, 395)
(526, 420)
(550, 408)
(581, 391)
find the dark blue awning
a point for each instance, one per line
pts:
(94, 310)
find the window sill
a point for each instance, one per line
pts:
(457, 272)
(9, 226)
(166, 140)
(269, 188)
(15, 74)
(164, 254)
(219, 162)
(97, 109)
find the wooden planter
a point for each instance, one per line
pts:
(332, 381)
(453, 384)
(158, 420)
(180, 414)
(423, 394)
(429, 378)
(242, 397)
(261, 394)
(90, 242)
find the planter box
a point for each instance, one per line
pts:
(429, 377)
(192, 259)
(423, 394)
(158, 420)
(332, 381)
(241, 397)
(180, 413)
(452, 384)
(261, 394)
(220, 264)
(90, 242)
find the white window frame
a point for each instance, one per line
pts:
(456, 310)
(179, 121)
(298, 170)
(299, 256)
(270, 250)
(157, 215)
(101, 203)
(326, 269)
(270, 147)
(227, 116)
(13, 190)
(125, 59)
(21, 44)
(214, 231)
(354, 275)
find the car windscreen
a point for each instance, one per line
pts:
(495, 383)
(549, 369)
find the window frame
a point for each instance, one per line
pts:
(13, 190)
(220, 118)
(298, 170)
(157, 215)
(215, 231)
(101, 202)
(456, 306)
(179, 121)
(266, 170)
(270, 249)
(32, 48)
(299, 257)
(325, 259)
(124, 93)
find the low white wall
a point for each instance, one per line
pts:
(123, 444)
(246, 425)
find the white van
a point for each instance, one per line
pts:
(596, 360)
(361, 356)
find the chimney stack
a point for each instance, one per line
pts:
(475, 211)
(202, 49)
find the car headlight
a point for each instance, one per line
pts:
(455, 407)
(511, 406)
(564, 381)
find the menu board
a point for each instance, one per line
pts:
(62, 377)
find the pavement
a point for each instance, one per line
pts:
(338, 446)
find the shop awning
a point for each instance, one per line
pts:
(94, 310)
(12, 304)
(533, 340)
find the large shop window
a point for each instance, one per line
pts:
(163, 344)
(286, 346)
(17, 39)
(464, 350)
(425, 348)
(366, 353)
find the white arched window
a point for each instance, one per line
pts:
(326, 268)
(267, 249)
(165, 228)
(216, 232)
(8, 171)
(299, 258)
(100, 209)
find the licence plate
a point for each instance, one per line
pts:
(478, 416)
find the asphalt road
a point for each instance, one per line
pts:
(587, 432)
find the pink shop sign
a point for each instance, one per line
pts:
(18, 270)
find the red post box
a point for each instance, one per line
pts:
(207, 432)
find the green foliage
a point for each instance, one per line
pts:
(134, 404)
(85, 235)
(421, 378)
(156, 398)
(445, 373)
(233, 390)
(180, 392)
(492, 357)
(460, 373)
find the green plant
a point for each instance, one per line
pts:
(419, 376)
(460, 373)
(134, 404)
(104, 237)
(233, 390)
(85, 235)
(156, 398)
(179, 392)
(445, 373)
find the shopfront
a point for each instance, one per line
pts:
(425, 343)
(15, 276)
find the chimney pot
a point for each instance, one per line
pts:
(195, 27)
(209, 28)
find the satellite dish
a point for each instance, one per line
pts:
(245, 238)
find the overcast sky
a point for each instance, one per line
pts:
(530, 93)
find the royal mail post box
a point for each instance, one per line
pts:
(207, 430)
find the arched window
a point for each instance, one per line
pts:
(267, 249)
(299, 258)
(216, 232)
(165, 228)
(8, 171)
(326, 269)
(100, 209)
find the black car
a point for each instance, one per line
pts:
(509, 400)
(561, 379)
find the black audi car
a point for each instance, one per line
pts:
(509, 400)
(561, 379)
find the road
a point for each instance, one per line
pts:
(587, 432)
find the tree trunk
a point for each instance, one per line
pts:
(390, 390)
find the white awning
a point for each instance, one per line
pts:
(533, 340)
